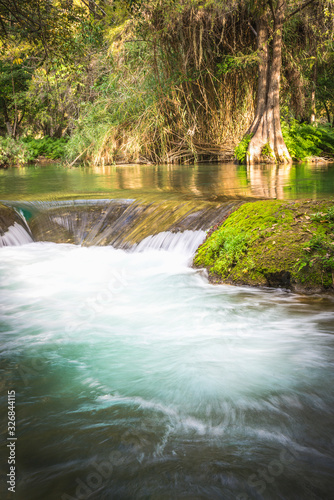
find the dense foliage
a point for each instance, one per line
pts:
(157, 81)
(304, 141)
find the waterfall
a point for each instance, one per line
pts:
(186, 242)
(137, 378)
(14, 229)
(124, 223)
(15, 235)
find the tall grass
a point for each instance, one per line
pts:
(166, 98)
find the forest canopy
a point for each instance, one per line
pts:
(167, 81)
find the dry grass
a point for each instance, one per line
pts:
(167, 99)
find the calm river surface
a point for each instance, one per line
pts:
(210, 181)
(135, 378)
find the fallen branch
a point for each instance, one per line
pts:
(77, 158)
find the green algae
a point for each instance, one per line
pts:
(273, 243)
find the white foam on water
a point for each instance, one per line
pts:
(185, 242)
(14, 236)
(135, 352)
(156, 327)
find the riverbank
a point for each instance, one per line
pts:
(310, 143)
(273, 243)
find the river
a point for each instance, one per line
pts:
(135, 378)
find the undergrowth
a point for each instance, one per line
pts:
(12, 152)
(16, 152)
(304, 141)
(240, 151)
(164, 98)
(307, 141)
(47, 147)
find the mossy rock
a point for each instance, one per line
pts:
(274, 243)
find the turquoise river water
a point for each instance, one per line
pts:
(135, 378)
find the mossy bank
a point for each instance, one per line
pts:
(273, 243)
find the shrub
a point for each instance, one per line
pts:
(12, 152)
(48, 147)
(240, 151)
(306, 141)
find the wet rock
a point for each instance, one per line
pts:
(123, 223)
(13, 229)
(8, 216)
(280, 279)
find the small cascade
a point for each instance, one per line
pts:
(184, 243)
(127, 224)
(14, 229)
(15, 235)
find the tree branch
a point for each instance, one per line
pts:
(92, 1)
(20, 120)
(3, 26)
(17, 14)
(271, 5)
(301, 8)
(251, 27)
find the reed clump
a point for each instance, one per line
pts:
(172, 94)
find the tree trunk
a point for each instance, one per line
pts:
(14, 131)
(14, 128)
(327, 112)
(6, 117)
(314, 85)
(262, 86)
(267, 143)
(297, 101)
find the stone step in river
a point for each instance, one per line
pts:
(120, 223)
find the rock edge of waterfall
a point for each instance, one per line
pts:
(8, 218)
(273, 243)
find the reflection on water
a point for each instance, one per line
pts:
(292, 181)
(269, 182)
(210, 182)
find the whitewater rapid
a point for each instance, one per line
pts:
(200, 390)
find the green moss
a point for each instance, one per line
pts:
(267, 151)
(273, 243)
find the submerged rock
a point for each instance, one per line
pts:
(274, 243)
